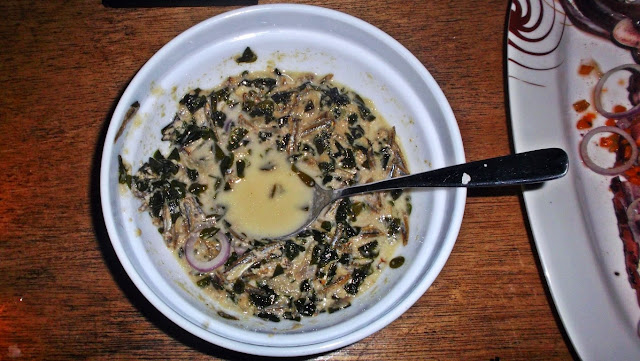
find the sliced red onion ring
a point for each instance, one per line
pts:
(626, 34)
(608, 171)
(598, 93)
(217, 261)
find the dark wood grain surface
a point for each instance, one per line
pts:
(63, 293)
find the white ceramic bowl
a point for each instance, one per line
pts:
(293, 38)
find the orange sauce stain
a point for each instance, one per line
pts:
(619, 109)
(610, 142)
(633, 174)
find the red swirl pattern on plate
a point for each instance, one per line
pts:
(534, 32)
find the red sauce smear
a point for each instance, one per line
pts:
(585, 69)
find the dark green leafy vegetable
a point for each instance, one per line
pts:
(326, 225)
(357, 277)
(332, 271)
(365, 112)
(386, 156)
(264, 108)
(235, 139)
(240, 165)
(192, 133)
(309, 106)
(369, 250)
(306, 306)
(333, 96)
(282, 121)
(263, 297)
(218, 118)
(174, 155)
(357, 132)
(218, 152)
(305, 286)
(395, 194)
(156, 202)
(225, 163)
(141, 184)
(263, 136)
(357, 207)
(396, 262)
(221, 95)
(350, 231)
(259, 83)
(193, 102)
(327, 167)
(209, 232)
(288, 315)
(204, 282)
(304, 177)
(321, 142)
(268, 316)
(349, 161)
(319, 236)
(197, 188)
(394, 226)
(163, 167)
(248, 56)
(292, 249)
(278, 271)
(232, 259)
(322, 254)
(282, 97)
(344, 213)
(238, 286)
(192, 174)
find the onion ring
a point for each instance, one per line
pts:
(217, 261)
(608, 171)
(597, 93)
(626, 34)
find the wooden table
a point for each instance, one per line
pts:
(63, 293)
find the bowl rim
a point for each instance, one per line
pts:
(401, 306)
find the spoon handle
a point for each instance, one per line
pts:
(522, 168)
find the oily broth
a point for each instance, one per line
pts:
(251, 145)
(270, 200)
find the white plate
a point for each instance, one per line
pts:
(293, 38)
(572, 219)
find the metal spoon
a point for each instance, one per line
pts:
(523, 168)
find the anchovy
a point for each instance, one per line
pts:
(250, 258)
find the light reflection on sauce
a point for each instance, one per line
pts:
(270, 200)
